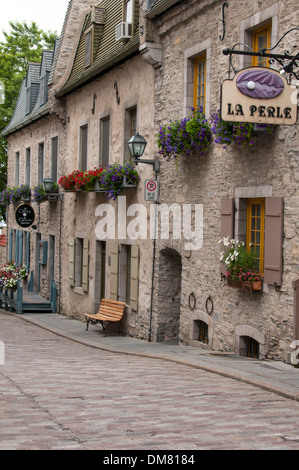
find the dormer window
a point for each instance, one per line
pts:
(28, 100)
(88, 47)
(42, 90)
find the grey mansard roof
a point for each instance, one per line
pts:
(32, 101)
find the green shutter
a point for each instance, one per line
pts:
(72, 261)
(85, 265)
(134, 277)
(114, 272)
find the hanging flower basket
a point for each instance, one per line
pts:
(112, 178)
(15, 195)
(192, 133)
(39, 194)
(242, 133)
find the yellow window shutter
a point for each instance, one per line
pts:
(134, 277)
(85, 265)
(114, 272)
(72, 261)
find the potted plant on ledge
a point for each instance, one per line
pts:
(241, 271)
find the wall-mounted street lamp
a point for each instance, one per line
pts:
(137, 145)
(48, 184)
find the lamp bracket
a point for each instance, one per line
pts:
(155, 163)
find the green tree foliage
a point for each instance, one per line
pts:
(22, 44)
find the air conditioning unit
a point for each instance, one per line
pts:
(123, 31)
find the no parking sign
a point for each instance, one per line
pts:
(151, 190)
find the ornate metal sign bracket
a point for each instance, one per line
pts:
(287, 61)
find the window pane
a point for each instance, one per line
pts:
(105, 137)
(54, 157)
(255, 229)
(87, 48)
(129, 11)
(261, 40)
(199, 81)
(83, 148)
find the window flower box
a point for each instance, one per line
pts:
(80, 180)
(241, 266)
(245, 285)
(129, 182)
(113, 176)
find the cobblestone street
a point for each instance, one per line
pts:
(58, 394)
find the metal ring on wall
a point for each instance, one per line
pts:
(192, 301)
(209, 299)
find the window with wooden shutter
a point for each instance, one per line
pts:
(273, 240)
(134, 277)
(72, 261)
(85, 265)
(114, 272)
(227, 223)
(264, 233)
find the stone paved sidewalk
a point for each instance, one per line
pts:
(274, 376)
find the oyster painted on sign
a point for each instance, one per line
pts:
(260, 84)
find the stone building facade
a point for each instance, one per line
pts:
(190, 289)
(106, 99)
(173, 289)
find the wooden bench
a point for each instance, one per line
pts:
(109, 311)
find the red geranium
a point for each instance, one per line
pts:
(80, 179)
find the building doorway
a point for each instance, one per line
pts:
(169, 295)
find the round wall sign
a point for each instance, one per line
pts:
(25, 215)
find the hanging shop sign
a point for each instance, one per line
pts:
(25, 215)
(259, 95)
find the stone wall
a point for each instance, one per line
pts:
(134, 80)
(185, 31)
(48, 215)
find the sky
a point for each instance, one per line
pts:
(49, 15)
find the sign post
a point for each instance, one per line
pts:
(151, 190)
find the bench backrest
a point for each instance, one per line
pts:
(112, 309)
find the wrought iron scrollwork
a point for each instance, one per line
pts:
(221, 37)
(289, 62)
